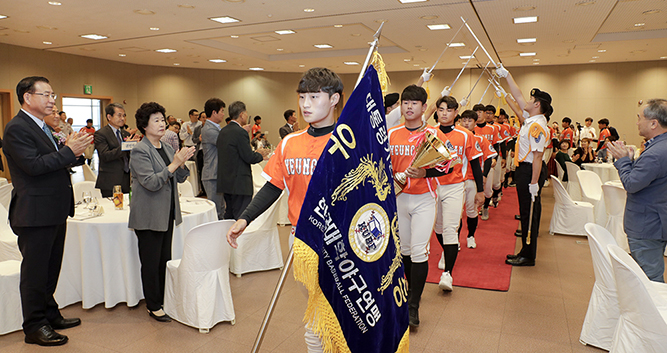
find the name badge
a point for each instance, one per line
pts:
(128, 145)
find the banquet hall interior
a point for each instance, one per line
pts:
(597, 58)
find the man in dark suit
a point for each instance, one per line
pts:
(114, 162)
(291, 126)
(41, 201)
(234, 159)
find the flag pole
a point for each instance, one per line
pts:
(274, 299)
(374, 46)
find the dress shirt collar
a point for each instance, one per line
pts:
(214, 124)
(113, 129)
(38, 121)
(654, 139)
(239, 124)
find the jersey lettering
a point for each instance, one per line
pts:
(300, 166)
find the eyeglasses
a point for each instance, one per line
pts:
(46, 94)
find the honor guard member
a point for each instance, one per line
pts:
(499, 169)
(451, 187)
(491, 134)
(531, 171)
(416, 204)
(295, 158)
(469, 121)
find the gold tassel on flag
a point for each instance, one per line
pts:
(379, 66)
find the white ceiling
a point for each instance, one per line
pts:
(568, 31)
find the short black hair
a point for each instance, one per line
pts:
(89, 121)
(235, 109)
(175, 123)
(449, 100)
(28, 85)
(257, 118)
(144, 112)
(111, 108)
(414, 93)
(490, 108)
(564, 141)
(478, 107)
(288, 113)
(468, 114)
(604, 121)
(61, 112)
(503, 113)
(202, 113)
(213, 105)
(567, 120)
(192, 111)
(589, 119)
(320, 79)
(228, 119)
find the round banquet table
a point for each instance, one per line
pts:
(101, 256)
(606, 171)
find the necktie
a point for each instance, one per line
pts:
(126, 166)
(48, 133)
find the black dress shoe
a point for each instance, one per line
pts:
(162, 318)
(512, 256)
(63, 323)
(517, 217)
(518, 233)
(45, 336)
(520, 261)
(414, 317)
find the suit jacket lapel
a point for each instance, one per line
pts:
(37, 130)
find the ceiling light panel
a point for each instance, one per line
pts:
(285, 31)
(217, 61)
(529, 19)
(166, 50)
(410, 1)
(438, 27)
(526, 40)
(93, 36)
(323, 46)
(457, 45)
(3, 17)
(224, 19)
(527, 54)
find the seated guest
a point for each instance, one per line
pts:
(585, 153)
(171, 136)
(562, 156)
(156, 170)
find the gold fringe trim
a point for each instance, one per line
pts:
(378, 63)
(404, 345)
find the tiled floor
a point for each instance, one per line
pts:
(542, 312)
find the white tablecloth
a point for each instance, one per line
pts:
(194, 176)
(101, 257)
(606, 171)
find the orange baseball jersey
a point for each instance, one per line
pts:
(459, 141)
(402, 150)
(552, 133)
(256, 128)
(504, 132)
(488, 151)
(513, 131)
(292, 166)
(603, 135)
(567, 134)
(489, 132)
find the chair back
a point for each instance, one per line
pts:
(88, 174)
(185, 189)
(82, 186)
(561, 195)
(598, 240)
(614, 199)
(561, 172)
(573, 187)
(591, 185)
(258, 180)
(267, 220)
(639, 302)
(6, 195)
(205, 247)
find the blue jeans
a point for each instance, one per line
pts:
(210, 186)
(649, 255)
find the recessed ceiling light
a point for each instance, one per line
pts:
(536, 63)
(350, 63)
(407, 60)
(455, 45)
(302, 65)
(526, 40)
(144, 12)
(186, 6)
(596, 57)
(536, 59)
(524, 8)
(154, 28)
(166, 50)
(663, 57)
(338, 26)
(233, 36)
(438, 27)
(602, 50)
(585, 3)
(177, 64)
(410, 1)
(465, 57)
(122, 55)
(640, 24)
(591, 61)
(3, 17)
(428, 17)
(256, 68)
(415, 64)
(47, 43)
(217, 60)
(224, 19)
(285, 31)
(55, 3)
(308, 10)
(527, 54)
(528, 19)
(651, 12)
(280, 49)
(93, 36)
(323, 46)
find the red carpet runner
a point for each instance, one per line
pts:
(483, 267)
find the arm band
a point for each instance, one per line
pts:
(503, 149)
(477, 173)
(265, 197)
(487, 166)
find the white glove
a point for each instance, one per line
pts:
(526, 115)
(533, 189)
(502, 71)
(502, 90)
(445, 92)
(499, 94)
(426, 76)
(464, 102)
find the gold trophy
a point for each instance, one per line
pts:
(429, 153)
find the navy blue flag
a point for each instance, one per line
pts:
(346, 250)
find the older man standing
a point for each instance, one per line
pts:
(41, 201)
(645, 180)
(215, 111)
(114, 162)
(291, 125)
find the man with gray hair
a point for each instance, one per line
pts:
(645, 180)
(114, 162)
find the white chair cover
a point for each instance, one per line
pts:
(614, 200)
(283, 210)
(561, 172)
(11, 317)
(573, 187)
(569, 217)
(88, 174)
(9, 248)
(82, 186)
(603, 312)
(591, 190)
(258, 180)
(197, 291)
(259, 247)
(642, 325)
(6, 195)
(185, 189)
